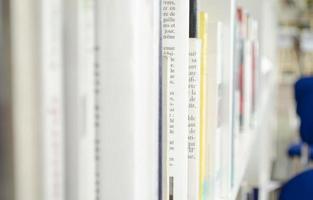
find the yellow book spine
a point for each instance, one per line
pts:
(203, 18)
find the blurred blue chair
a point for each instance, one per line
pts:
(304, 106)
(298, 188)
(304, 101)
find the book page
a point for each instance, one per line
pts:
(175, 35)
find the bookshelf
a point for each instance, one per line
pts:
(123, 88)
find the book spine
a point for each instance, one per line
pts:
(214, 108)
(146, 82)
(71, 81)
(254, 43)
(203, 20)
(86, 100)
(194, 119)
(52, 100)
(247, 84)
(241, 18)
(115, 100)
(128, 74)
(175, 32)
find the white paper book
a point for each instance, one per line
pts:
(127, 98)
(175, 44)
(215, 107)
(51, 98)
(80, 105)
(194, 119)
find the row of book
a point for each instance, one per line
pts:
(246, 69)
(53, 98)
(128, 99)
(247, 83)
(192, 104)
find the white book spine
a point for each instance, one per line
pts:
(175, 45)
(194, 120)
(127, 97)
(52, 132)
(115, 100)
(215, 107)
(146, 82)
(25, 92)
(86, 101)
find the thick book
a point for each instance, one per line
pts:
(175, 44)
(127, 98)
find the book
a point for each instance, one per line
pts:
(86, 65)
(238, 60)
(255, 71)
(241, 72)
(247, 79)
(175, 44)
(237, 94)
(127, 98)
(215, 100)
(25, 98)
(52, 100)
(203, 20)
(194, 105)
